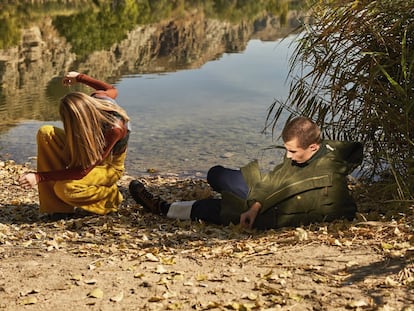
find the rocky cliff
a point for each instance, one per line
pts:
(27, 70)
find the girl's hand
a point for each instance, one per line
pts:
(28, 180)
(70, 78)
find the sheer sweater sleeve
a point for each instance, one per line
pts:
(101, 88)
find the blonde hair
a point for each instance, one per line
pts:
(85, 120)
(304, 129)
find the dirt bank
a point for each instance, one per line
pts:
(135, 261)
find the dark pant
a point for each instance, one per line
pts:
(220, 179)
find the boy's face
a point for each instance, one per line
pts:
(298, 154)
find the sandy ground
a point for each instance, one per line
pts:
(131, 260)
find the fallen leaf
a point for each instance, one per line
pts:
(350, 264)
(201, 277)
(386, 246)
(250, 296)
(155, 299)
(168, 261)
(163, 281)
(27, 243)
(76, 277)
(301, 234)
(96, 293)
(389, 282)
(151, 257)
(358, 304)
(118, 297)
(160, 269)
(29, 301)
(90, 281)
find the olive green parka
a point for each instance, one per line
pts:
(293, 194)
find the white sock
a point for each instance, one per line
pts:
(180, 210)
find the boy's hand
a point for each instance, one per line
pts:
(247, 218)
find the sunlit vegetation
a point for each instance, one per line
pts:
(353, 71)
(236, 11)
(16, 15)
(97, 24)
(98, 29)
(9, 29)
(94, 30)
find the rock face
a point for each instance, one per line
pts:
(182, 44)
(28, 69)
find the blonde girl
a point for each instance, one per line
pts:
(79, 166)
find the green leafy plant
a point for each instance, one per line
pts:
(352, 72)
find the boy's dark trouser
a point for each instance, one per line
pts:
(220, 179)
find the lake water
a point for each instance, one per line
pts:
(197, 86)
(186, 121)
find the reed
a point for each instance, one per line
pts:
(352, 72)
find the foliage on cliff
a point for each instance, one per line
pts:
(97, 24)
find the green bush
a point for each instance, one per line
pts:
(352, 72)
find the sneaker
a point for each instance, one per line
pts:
(145, 198)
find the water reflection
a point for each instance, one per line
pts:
(192, 102)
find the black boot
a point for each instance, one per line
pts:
(141, 195)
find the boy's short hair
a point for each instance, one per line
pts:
(304, 129)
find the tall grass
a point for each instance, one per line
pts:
(352, 72)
